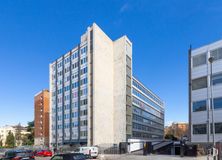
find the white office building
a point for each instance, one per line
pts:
(91, 93)
(200, 92)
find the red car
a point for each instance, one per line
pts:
(44, 153)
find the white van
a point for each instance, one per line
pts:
(89, 151)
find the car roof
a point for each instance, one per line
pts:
(18, 151)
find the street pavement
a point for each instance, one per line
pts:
(138, 157)
(149, 157)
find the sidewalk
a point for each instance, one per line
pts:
(149, 157)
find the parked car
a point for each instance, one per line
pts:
(43, 153)
(2, 153)
(19, 155)
(69, 156)
(89, 151)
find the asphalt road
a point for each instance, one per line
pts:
(139, 157)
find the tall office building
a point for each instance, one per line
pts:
(41, 122)
(91, 92)
(200, 92)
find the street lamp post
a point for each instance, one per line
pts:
(211, 59)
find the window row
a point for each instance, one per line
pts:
(217, 53)
(200, 83)
(66, 116)
(83, 71)
(146, 128)
(83, 81)
(83, 50)
(145, 121)
(74, 114)
(67, 97)
(147, 100)
(67, 69)
(146, 107)
(83, 133)
(60, 64)
(67, 60)
(202, 105)
(201, 59)
(146, 135)
(144, 90)
(83, 112)
(75, 124)
(202, 128)
(83, 102)
(83, 92)
(66, 125)
(83, 60)
(74, 85)
(75, 55)
(146, 115)
(83, 123)
(66, 106)
(66, 88)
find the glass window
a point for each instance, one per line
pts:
(217, 54)
(218, 127)
(217, 79)
(217, 103)
(199, 106)
(199, 83)
(199, 60)
(199, 129)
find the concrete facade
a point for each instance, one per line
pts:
(122, 50)
(91, 92)
(203, 94)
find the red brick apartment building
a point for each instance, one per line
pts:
(42, 118)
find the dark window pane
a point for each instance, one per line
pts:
(217, 103)
(218, 128)
(217, 54)
(199, 83)
(199, 106)
(217, 79)
(199, 129)
(199, 60)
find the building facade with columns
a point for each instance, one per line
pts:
(200, 95)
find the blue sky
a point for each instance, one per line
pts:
(34, 33)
